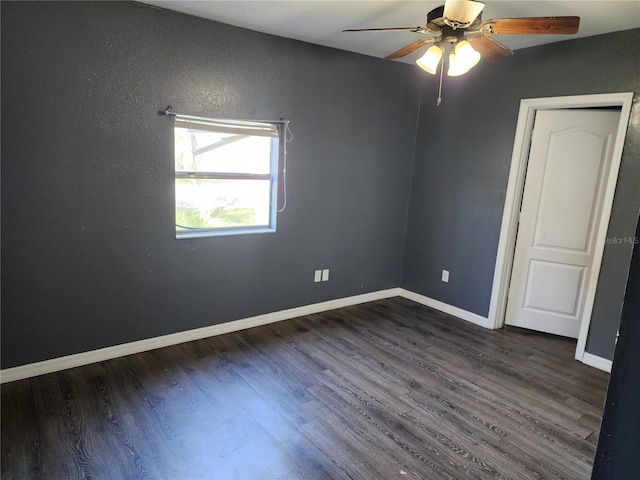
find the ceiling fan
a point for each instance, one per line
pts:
(458, 23)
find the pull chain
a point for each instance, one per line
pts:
(439, 101)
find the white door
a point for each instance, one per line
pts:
(569, 160)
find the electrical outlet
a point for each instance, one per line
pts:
(325, 275)
(445, 276)
(317, 276)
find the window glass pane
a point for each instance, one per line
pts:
(206, 203)
(207, 151)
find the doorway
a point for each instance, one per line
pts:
(506, 245)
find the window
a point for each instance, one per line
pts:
(226, 176)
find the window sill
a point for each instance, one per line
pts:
(182, 235)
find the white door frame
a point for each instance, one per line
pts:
(515, 187)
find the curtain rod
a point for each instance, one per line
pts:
(170, 113)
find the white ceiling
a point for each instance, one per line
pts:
(322, 21)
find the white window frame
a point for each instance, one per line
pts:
(240, 127)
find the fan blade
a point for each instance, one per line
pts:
(410, 48)
(489, 48)
(391, 29)
(531, 25)
(461, 13)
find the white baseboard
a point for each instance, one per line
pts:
(597, 362)
(446, 308)
(86, 358)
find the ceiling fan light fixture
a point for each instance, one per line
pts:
(456, 66)
(430, 60)
(466, 54)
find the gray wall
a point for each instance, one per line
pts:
(89, 258)
(463, 153)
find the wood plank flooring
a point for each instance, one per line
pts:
(384, 390)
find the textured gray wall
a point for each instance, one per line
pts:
(463, 154)
(89, 258)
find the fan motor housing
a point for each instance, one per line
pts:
(435, 13)
(452, 36)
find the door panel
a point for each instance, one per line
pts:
(568, 163)
(570, 178)
(554, 288)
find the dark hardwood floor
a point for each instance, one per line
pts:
(384, 390)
